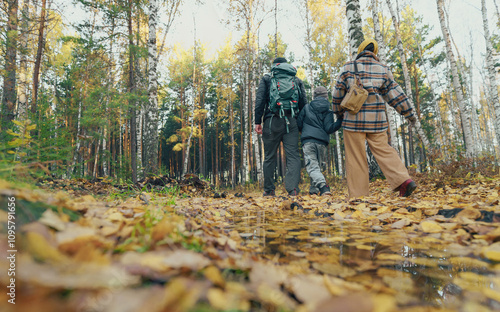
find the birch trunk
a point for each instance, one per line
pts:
(493, 88)
(406, 75)
(474, 118)
(192, 106)
(246, 104)
(191, 122)
(355, 29)
(255, 140)
(111, 84)
(132, 103)
(381, 55)
(465, 116)
(22, 101)
(309, 43)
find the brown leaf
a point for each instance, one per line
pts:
(360, 302)
(469, 213)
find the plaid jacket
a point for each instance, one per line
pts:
(379, 81)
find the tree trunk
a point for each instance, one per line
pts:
(474, 116)
(493, 88)
(132, 103)
(406, 75)
(192, 106)
(111, 85)
(456, 83)
(22, 102)
(381, 55)
(9, 80)
(246, 107)
(435, 101)
(308, 43)
(233, 152)
(38, 59)
(355, 30)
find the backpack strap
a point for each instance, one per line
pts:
(356, 74)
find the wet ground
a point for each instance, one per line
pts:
(418, 250)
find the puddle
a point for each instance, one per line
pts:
(419, 270)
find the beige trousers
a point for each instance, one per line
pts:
(357, 165)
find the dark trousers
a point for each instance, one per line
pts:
(273, 133)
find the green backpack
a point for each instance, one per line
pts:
(284, 92)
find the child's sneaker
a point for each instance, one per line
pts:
(324, 190)
(269, 193)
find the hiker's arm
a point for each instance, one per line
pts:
(261, 101)
(339, 92)
(302, 97)
(329, 125)
(300, 119)
(394, 95)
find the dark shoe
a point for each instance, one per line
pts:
(269, 193)
(311, 193)
(407, 188)
(293, 192)
(324, 190)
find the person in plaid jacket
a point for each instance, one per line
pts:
(370, 123)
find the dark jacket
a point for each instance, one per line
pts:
(316, 122)
(262, 111)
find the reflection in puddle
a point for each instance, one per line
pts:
(418, 270)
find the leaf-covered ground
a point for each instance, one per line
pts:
(438, 250)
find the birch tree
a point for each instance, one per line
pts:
(192, 105)
(406, 75)
(391, 114)
(245, 12)
(22, 102)
(493, 88)
(132, 103)
(150, 160)
(355, 31)
(465, 116)
(305, 6)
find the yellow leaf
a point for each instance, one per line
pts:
(11, 152)
(15, 142)
(492, 294)
(335, 290)
(213, 274)
(492, 252)
(42, 250)
(431, 227)
(384, 303)
(394, 257)
(217, 299)
(17, 122)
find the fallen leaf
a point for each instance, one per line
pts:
(431, 227)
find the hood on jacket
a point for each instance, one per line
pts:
(320, 105)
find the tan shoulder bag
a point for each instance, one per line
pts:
(356, 96)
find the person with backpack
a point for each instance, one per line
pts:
(280, 98)
(370, 123)
(316, 123)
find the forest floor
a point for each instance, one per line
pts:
(180, 246)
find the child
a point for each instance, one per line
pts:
(316, 123)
